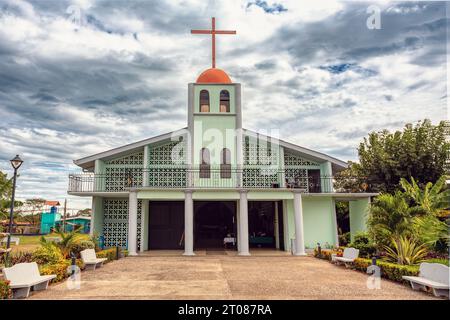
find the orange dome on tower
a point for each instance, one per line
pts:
(213, 75)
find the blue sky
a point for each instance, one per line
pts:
(80, 77)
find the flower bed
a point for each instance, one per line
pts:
(5, 290)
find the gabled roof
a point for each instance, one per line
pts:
(52, 203)
(89, 161)
(305, 152)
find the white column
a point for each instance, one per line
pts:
(188, 224)
(276, 226)
(93, 216)
(132, 223)
(336, 233)
(298, 217)
(238, 239)
(243, 223)
(145, 172)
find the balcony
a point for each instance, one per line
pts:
(202, 178)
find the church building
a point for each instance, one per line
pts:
(214, 184)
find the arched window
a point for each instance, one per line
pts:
(224, 101)
(204, 101)
(205, 167)
(225, 164)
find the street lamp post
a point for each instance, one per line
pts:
(15, 163)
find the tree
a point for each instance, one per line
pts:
(5, 195)
(390, 217)
(433, 198)
(420, 151)
(84, 212)
(34, 207)
(412, 214)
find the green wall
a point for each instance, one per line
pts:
(358, 215)
(318, 221)
(97, 214)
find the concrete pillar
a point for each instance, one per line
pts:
(145, 176)
(276, 226)
(238, 239)
(298, 218)
(243, 223)
(188, 224)
(335, 225)
(132, 223)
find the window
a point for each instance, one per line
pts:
(205, 167)
(224, 101)
(204, 101)
(225, 164)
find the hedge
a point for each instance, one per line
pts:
(326, 253)
(391, 271)
(60, 269)
(111, 254)
(5, 290)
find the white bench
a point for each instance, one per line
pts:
(26, 276)
(431, 275)
(16, 240)
(90, 259)
(348, 257)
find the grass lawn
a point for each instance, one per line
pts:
(29, 243)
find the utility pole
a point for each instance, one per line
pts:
(64, 215)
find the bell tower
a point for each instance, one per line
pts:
(214, 117)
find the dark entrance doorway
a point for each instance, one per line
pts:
(166, 225)
(213, 221)
(262, 224)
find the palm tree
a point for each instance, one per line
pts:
(433, 198)
(390, 216)
(67, 239)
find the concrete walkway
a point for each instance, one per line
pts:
(226, 277)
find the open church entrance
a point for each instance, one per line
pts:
(265, 224)
(214, 221)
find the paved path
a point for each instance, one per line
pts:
(226, 277)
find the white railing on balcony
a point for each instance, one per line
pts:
(206, 177)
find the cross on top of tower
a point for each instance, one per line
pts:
(213, 33)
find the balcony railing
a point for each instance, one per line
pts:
(203, 178)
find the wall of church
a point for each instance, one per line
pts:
(318, 221)
(358, 215)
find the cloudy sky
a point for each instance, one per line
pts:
(81, 77)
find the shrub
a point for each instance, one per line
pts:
(60, 269)
(363, 244)
(441, 261)
(391, 271)
(406, 251)
(47, 253)
(20, 257)
(77, 246)
(325, 254)
(5, 290)
(344, 239)
(110, 254)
